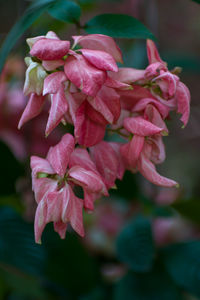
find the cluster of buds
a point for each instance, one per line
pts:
(88, 90)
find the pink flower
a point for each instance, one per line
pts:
(53, 182)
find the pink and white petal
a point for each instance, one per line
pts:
(32, 109)
(60, 228)
(51, 65)
(140, 126)
(151, 113)
(116, 84)
(121, 168)
(40, 220)
(128, 75)
(132, 150)
(183, 102)
(89, 200)
(50, 49)
(42, 165)
(107, 102)
(87, 132)
(148, 170)
(84, 75)
(142, 104)
(158, 149)
(72, 210)
(100, 59)
(59, 155)
(43, 186)
(152, 53)
(52, 82)
(52, 35)
(106, 162)
(80, 157)
(87, 179)
(59, 107)
(74, 102)
(99, 42)
(54, 202)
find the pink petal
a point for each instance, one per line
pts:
(167, 83)
(100, 59)
(54, 206)
(59, 107)
(142, 104)
(72, 210)
(32, 109)
(40, 220)
(83, 75)
(59, 155)
(152, 53)
(183, 102)
(74, 101)
(60, 228)
(89, 200)
(80, 157)
(107, 102)
(53, 82)
(100, 42)
(43, 186)
(128, 75)
(121, 168)
(132, 150)
(148, 170)
(152, 114)
(158, 149)
(42, 165)
(87, 179)
(50, 49)
(51, 65)
(87, 132)
(140, 126)
(116, 84)
(106, 162)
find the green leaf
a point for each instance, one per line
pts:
(155, 285)
(118, 26)
(183, 264)
(189, 209)
(135, 245)
(30, 15)
(69, 263)
(197, 1)
(66, 11)
(17, 246)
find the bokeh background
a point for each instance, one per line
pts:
(90, 268)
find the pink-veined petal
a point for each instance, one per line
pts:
(152, 114)
(183, 102)
(100, 59)
(128, 75)
(53, 82)
(51, 65)
(60, 228)
(152, 53)
(80, 157)
(83, 75)
(40, 220)
(107, 102)
(42, 165)
(72, 210)
(148, 170)
(132, 150)
(87, 179)
(116, 84)
(142, 104)
(50, 49)
(59, 107)
(87, 132)
(100, 42)
(32, 109)
(106, 162)
(59, 155)
(140, 126)
(121, 168)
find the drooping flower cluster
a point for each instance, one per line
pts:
(87, 89)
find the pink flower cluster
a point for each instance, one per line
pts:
(87, 89)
